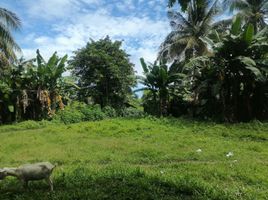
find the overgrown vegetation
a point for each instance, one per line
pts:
(204, 64)
(78, 112)
(33, 89)
(222, 66)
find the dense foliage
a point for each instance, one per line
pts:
(78, 111)
(158, 79)
(224, 64)
(32, 89)
(206, 68)
(234, 80)
(252, 11)
(105, 73)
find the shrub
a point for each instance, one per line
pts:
(69, 116)
(109, 111)
(130, 112)
(92, 113)
(30, 124)
(77, 112)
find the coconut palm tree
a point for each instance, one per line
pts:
(9, 21)
(187, 38)
(253, 11)
(233, 81)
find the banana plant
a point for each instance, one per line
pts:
(158, 79)
(50, 72)
(236, 75)
(37, 86)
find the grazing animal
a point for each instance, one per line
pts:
(3, 174)
(30, 172)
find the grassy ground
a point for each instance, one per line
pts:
(139, 159)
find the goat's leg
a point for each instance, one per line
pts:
(25, 184)
(49, 181)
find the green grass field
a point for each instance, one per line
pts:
(139, 159)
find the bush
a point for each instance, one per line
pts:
(77, 112)
(69, 116)
(109, 111)
(30, 124)
(130, 112)
(92, 113)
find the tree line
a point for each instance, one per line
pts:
(211, 68)
(206, 68)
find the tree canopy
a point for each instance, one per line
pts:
(188, 36)
(206, 68)
(252, 11)
(104, 72)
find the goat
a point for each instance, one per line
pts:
(30, 172)
(3, 174)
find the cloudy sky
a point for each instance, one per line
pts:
(66, 25)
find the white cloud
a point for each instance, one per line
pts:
(125, 6)
(51, 9)
(142, 35)
(149, 54)
(41, 40)
(48, 8)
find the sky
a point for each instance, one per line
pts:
(67, 25)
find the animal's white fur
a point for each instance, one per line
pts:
(31, 172)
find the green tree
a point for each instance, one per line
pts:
(8, 22)
(158, 79)
(104, 72)
(253, 11)
(32, 89)
(234, 79)
(188, 38)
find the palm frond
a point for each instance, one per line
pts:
(178, 18)
(211, 13)
(6, 36)
(8, 22)
(235, 4)
(10, 19)
(187, 30)
(222, 24)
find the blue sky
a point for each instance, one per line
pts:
(66, 25)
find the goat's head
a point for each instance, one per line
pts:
(3, 174)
